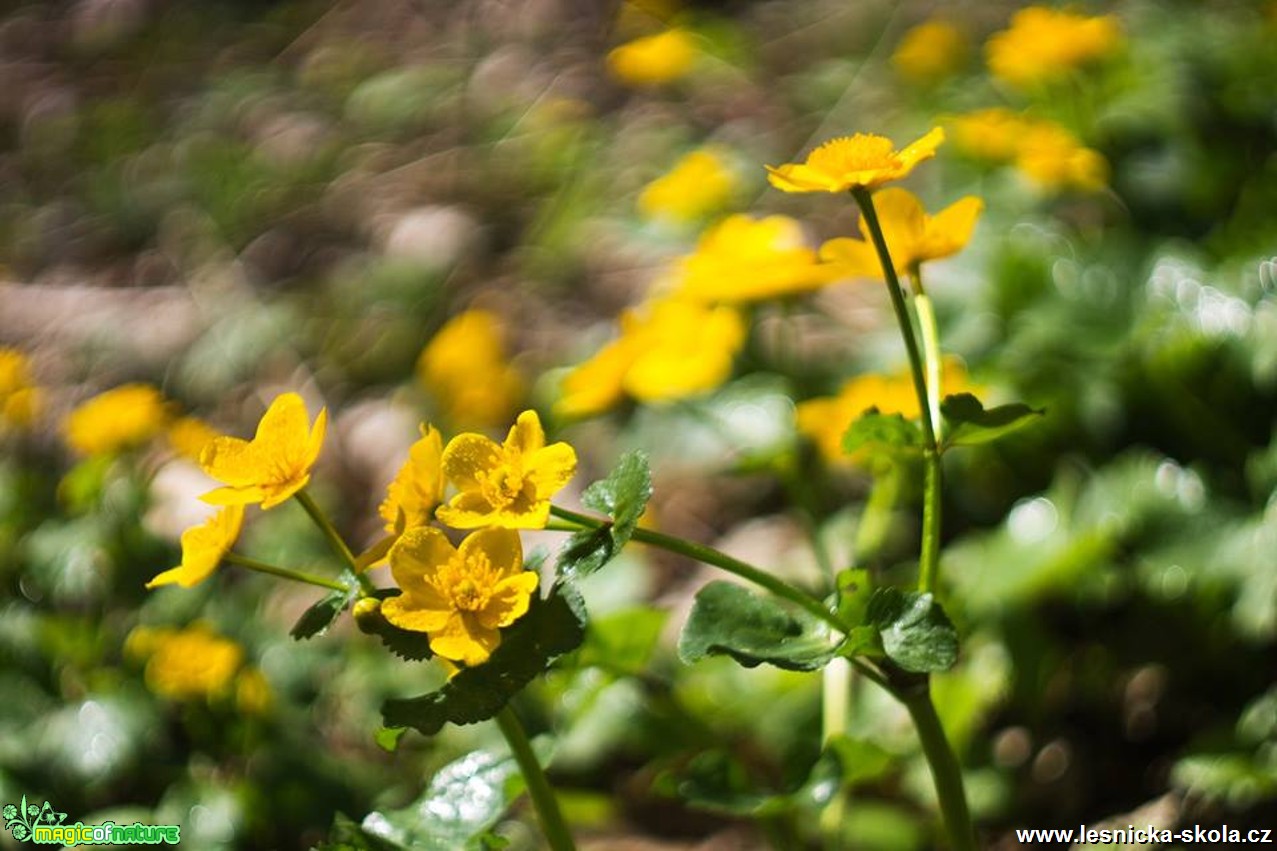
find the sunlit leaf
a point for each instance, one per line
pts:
(728, 619)
(623, 497)
(916, 633)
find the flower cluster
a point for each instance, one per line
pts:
(700, 183)
(1043, 44)
(1047, 154)
(462, 596)
(197, 663)
(654, 60)
(930, 52)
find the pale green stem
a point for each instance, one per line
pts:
(929, 558)
(335, 540)
(930, 354)
(553, 824)
(836, 680)
(946, 773)
(283, 572)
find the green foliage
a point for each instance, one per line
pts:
(728, 619)
(552, 627)
(915, 632)
(622, 496)
(888, 434)
(622, 642)
(969, 423)
(316, 619)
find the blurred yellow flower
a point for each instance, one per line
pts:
(1043, 44)
(993, 134)
(653, 60)
(185, 664)
(189, 435)
(459, 597)
(912, 236)
(508, 484)
(19, 397)
(464, 367)
(667, 350)
(418, 486)
(700, 183)
(743, 259)
(1054, 159)
(826, 419)
(118, 419)
(203, 547)
(930, 52)
(274, 465)
(253, 694)
(862, 161)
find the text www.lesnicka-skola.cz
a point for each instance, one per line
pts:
(1132, 835)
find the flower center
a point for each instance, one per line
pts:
(468, 584)
(861, 152)
(505, 485)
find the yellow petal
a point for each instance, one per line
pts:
(464, 639)
(551, 468)
(502, 548)
(246, 495)
(403, 612)
(951, 228)
(799, 177)
(468, 510)
(231, 460)
(415, 558)
(467, 456)
(203, 548)
(922, 149)
(509, 601)
(852, 258)
(526, 435)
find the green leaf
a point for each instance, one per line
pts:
(551, 627)
(387, 738)
(346, 835)
(464, 800)
(316, 620)
(968, 423)
(622, 496)
(728, 619)
(622, 642)
(916, 633)
(888, 433)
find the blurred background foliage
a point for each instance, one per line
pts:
(230, 199)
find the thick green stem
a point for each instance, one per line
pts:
(335, 540)
(552, 823)
(283, 572)
(920, 368)
(945, 771)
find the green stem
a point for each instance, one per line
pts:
(929, 557)
(552, 823)
(945, 771)
(335, 540)
(836, 680)
(718, 559)
(283, 572)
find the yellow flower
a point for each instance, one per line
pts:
(460, 597)
(1054, 159)
(185, 664)
(20, 399)
(861, 161)
(465, 368)
(507, 485)
(825, 420)
(653, 60)
(667, 350)
(418, 486)
(930, 51)
(118, 419)
(699, 184)
(993, 134)
(912, 236)
(742, 259)
(189, 435)
(1043, 44)
(274, 465)
(203, 548)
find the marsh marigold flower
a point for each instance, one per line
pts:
(930, 51)
(203, 547)
(274, 465)
(1053, 159)
(826, 419)
(1042, 44)
(189, 435)
(862, 161)
(461, 597)
(464, 367)
(121, 418)
(743, 259)
(653, 60)
(912, 235)
(418, 486)
(699, 184)
(19, 397)
(186, 664)
(993, 134)
(507, 484)
(667, 350)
